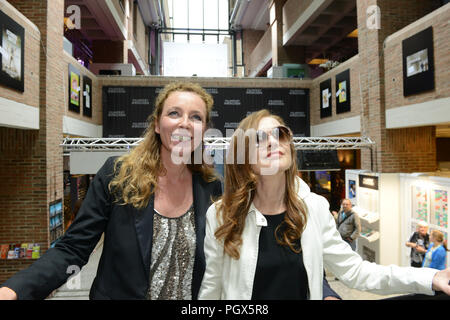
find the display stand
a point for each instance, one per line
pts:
(375, 198)
(424, 197)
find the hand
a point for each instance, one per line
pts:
(441, 281)
(7, 294)
(331, 298)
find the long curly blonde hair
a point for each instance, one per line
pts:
(240, 189)
(136, 173)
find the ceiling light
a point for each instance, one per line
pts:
(317, 61)
(353, 34)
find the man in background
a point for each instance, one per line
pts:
(418, 242)
(348, 223)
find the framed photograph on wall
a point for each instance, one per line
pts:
(12, 44)
(418, 63)
(74, 89)
(325, 98)
(343, 91)
(87, 96)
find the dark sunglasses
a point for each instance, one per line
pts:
(281, 133)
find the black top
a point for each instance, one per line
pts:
(280, 273)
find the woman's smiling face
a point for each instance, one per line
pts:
(182, 122)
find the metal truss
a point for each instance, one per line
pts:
(333, 143)
(300, 143)
(99, 144)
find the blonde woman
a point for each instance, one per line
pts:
(436, 255)
(269, 236)
(151, 208)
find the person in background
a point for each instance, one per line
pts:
(436, 255)
(348, 223)
(270, 237)
(418, 242)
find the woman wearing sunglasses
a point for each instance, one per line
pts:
(269, 237)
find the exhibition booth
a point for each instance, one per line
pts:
(390, 205)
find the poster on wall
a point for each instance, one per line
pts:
(87, 96)
(343, 91)
(418, 63)
(126, 109)
(325, 99)
(12, 44)
(351, 189)
(74, 89)
(419, 207)
(439, 208)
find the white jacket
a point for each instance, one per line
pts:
(230, 279)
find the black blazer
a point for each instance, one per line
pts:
(123, 270)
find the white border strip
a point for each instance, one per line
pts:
(18, 115)
(81, 128)
(338, 127)
(419, 114)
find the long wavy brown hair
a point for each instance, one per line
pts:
(240, 189)
(136, 173)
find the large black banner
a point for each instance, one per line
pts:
(126, 109)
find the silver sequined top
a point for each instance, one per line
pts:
(173, 254)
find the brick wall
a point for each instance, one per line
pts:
(205, 82)
(22, 194)
(410, 150)
(393, 60)
(106, 51)
(353, 64)
(394, 16)
(31, 162)
(30, 96)
(96, 91)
